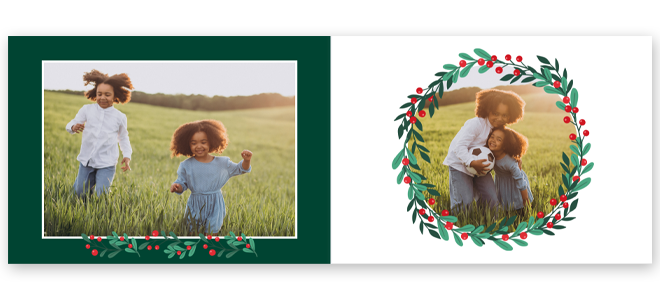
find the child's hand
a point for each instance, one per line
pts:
(78, 128)
(247, 155)
(176, 188)
(479, 165)
(126, 160)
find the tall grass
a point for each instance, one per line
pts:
(260, 203)
(547, 135)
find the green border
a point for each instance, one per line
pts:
(25, 94)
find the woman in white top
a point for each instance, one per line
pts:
(494, 108)
(102, 126)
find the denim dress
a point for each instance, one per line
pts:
(206, 203)
(509, 181)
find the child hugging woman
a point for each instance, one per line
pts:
(205, 174)
(511, 183)
(494, 108)
(102, 126)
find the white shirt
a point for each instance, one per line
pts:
(103, 129)
(474, 133)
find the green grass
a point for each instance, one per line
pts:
(260, 203)
(547, 135)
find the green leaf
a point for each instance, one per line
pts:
(443, 231)
(448, 218)
(434, 234)
(220, 253)
(419, 137)
(582, 184)
(189, 243)
(484, 235)
(520, 243)
(246, 250)
(120, 243)
(400, 131)
(466, 228)
(433, 192)
(530, 223)
(183, 254)
(113, 254)
(552, 90)
(446, 77)
(574, 205)
(410, 192)
(455, 78)
(420, 187)
(129, 250)
(586, 149)
(520, 229)
(570, 86)
(563, 166)
(538, 223)
(450, 67)
(558, 227)
(115, 234)
(528, 79)
(541, 83)
(506, 77)
(406, 105)
(477, 241)
(103, 252)
(466, 70)
(560, 190)
(414, 177)
(557, 65)
(457, 239)
(465, 56)
(192, 251)
(561, 105)
(515, 79)
(568, 219)
(419, 125)
(478, 229)
(563, 83)
(421, 227)
(543, 60)
(482, 53)
(134, 243)
(588, 168)
(504, 245)
(144, 245)
(419, 194)
(539, 76)
(574, 97)
(440, 73)
(86, 238)
(399, 178)
(490, 228)
(414, 216)
(411, 157)
(253, 245)
(400, 116)
(536, 231)
(483, 69)
(410, 205)
(575, 149)
(574, 160)
(449, 83)
(510, 221)
(548, 232)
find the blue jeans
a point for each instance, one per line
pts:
(89, 177)
(463, 189)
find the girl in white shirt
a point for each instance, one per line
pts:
(102, 126)
(494, 108)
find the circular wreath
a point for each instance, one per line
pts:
(553, 82)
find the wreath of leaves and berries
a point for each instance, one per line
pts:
(439, 225)
(115, 244)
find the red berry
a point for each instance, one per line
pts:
(565, 205)
(481, 61)
(464, 235)
(419, 90)
(557, 216)
(462, 63)
(188, 247)
(247, 246)
(568, 108)
(205, 246)
(556, 84)
(576, 178)
(406, 180)
(518, 58)
(553, 202)
(584, 162)
(431, 99)
(431, 201)
(217, 239)
(413, 100)
(422, 211)
(499, 70)
(493, 58)
(516, 72)
(95, 252)
(576, 110)
(87, 246)
(209, 237)
(550, 225)
(567, 119)
(91, 237)
(413, 120)
(586, 133)
(566, 99)
(178, 253)
(449, 225)
(572, 136)
(405, 161)
(489, 64)
(98, 239)
(121, 238)
(523, 235)
(422, 113)
(507, 57)
(157, 247)
(563, 198)
(408, 114)
(130, 245)
(149, 247)
(212, 252)
(155, 233)
(540, 215)
(582, 122)
(505, 237)
(431, 219)
(147, 238)
(239, 238)
(445, 213)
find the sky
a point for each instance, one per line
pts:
(207, 78)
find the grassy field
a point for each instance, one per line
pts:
(547, 135)
(261, 203)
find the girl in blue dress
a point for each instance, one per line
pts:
(203, 173)
(511, 183)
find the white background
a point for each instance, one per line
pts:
(340, 18)
(386, 69)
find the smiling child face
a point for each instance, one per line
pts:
(105, 94)
(496, 141)
(499, 116)
(199, 144)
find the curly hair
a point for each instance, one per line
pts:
(215, 132)
(488, 100)
(515, 144)
(121, 85)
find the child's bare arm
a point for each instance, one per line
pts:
(247, 156)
